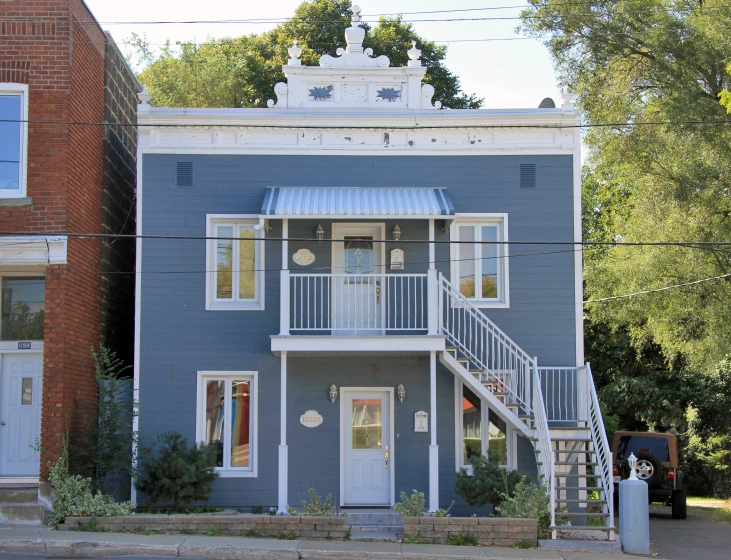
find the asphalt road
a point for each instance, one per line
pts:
(695, 538)
(18, 556)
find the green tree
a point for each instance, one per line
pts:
(641, 61)
(242, 71)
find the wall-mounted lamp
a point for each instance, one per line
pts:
(319, 232)
(396, 233)
(401, 392)
(333, 392)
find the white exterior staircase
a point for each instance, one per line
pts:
(572, 456)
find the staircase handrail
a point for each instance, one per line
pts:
(603, 451)
(543, 435)
(456, 299)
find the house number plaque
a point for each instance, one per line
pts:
(311, 419)
(304, 257)
(421, 421)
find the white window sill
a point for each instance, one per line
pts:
(237, 306)
(236, 474)
(482, 304)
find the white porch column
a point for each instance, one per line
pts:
(283, 453)
(433, 448)
(432, 257)
(284, 283)
(285, 243)
(432, 291)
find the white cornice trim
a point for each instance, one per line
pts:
(33, 250)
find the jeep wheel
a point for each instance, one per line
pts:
(649, 467)
(680, 509)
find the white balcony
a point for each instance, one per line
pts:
(366, 313)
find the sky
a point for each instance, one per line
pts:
(507, 74)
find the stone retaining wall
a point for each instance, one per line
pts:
(303, 527)
(497, 531)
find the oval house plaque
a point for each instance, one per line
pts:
(311, 419)
(304, 257)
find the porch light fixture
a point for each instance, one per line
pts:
(319, 233)
(401, 391)
(396, 233)
(333, 393)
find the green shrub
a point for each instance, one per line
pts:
(73, 494)
(313, 505)
(178, 472)
(441, 512)
(257, 510)
(529, 501)
(464, 539)
(411, 506)
(487, 484)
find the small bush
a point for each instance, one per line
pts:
(73, 494)
(529, 501)
(313, 505)
(215, 532)
(525, 544)
(178, 472)
(443, 512)
(257, 510)
(286, 535)
(487, 484)
(411, 506)
(465, 539)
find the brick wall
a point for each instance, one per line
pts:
(497, 531)
(57, 48)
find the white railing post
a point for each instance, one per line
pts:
(432, 290)
(583, 394)
(284, 303)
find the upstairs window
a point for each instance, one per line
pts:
(235, 264)
(13, 139)
(479, 260)
(22, 308)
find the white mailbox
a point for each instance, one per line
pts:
(421, 421)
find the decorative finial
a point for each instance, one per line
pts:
(144, 96)
(632, 461)
(294, 53)
(567, 99)
(414, 56)
(355, 18)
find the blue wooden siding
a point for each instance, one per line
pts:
(179, 338)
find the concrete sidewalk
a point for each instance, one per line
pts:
(42, 540)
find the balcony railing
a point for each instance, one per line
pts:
(358, 304)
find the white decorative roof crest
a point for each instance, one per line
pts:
(354, 79)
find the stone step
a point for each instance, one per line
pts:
(19, 494)
(377, 529)
(21, 514)
(376, 536)
(374, 518)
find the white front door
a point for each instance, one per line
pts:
(368, 454)
(21, 378)
(357, 278)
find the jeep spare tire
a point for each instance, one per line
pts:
(649, 467)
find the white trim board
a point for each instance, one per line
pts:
(392, 456)
(33, 250)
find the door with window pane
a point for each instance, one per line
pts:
(368, 454)
(358, 295)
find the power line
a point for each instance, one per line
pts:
(702, 280)
(357, 127)
(686, 244)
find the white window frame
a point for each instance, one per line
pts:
(510, 433)
(501, 221)
(200, 419)
(214, 304)
(19, 90)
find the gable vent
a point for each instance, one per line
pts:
(528, 173)
(184, 174)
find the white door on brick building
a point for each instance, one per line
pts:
(21, 377)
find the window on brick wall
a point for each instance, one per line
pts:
(226, 419)
(13, 139)
(22, 308)
(235, 279)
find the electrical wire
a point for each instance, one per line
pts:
(634, 294)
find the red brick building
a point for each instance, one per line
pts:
(62, 173)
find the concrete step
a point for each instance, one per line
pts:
(388, 517)
(19, 494)
(376, 536)
(376, 529)
(21, 514)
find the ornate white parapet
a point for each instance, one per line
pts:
(354, 79)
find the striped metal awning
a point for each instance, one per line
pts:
(345, 202)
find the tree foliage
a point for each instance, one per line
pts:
(661, 61)
(242, 71)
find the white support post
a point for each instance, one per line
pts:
(582, 396)
(285, 243)
(433, 448)
(283, 452)
(284, 303)
(432, 290)
(432, 257)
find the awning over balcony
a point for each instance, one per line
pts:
(337, 202)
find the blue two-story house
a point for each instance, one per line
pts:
(358, 290)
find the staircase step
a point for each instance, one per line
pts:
(572, 475)
(572, 440)
(376, 536)
(19, 494)
(581, 528)
(377, 529)
(575, 451)
(584, 501)
(588, 488)
(21, 514)
(576, 463)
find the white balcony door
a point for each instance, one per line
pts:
(358, 289)
(367, 451)
(20, 414)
